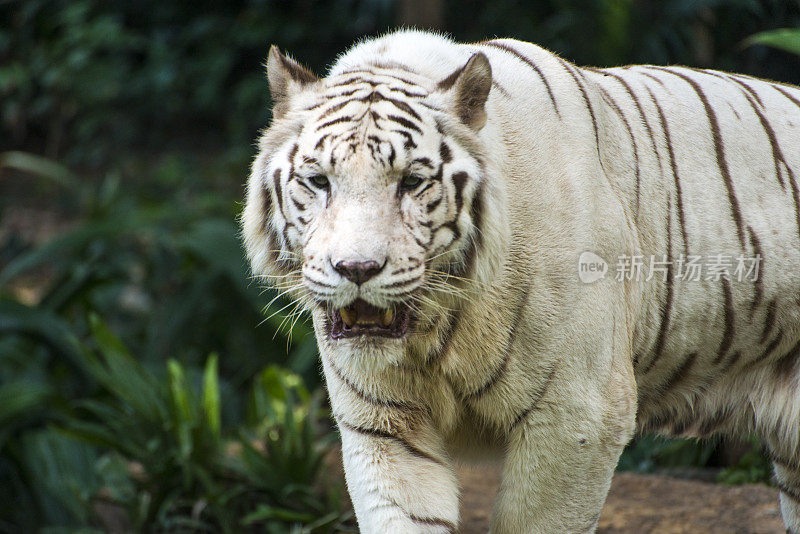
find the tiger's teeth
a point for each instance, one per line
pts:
(387, 318)
(348, 316)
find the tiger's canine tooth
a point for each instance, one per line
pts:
(388, 317)
(348, 316)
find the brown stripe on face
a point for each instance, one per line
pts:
(344, 118)
(586, 100)
(409, 94)
(336, 107)
(290, 157)
(617, 109)
(266, 207)
(444, 153)
(276, 183)
(342, 94)
(422, 191)
(719, 148)
(297, 204)
(423, 161)
(475, 244)
(673, 164)
(531, 64)
(402, 106)
(404, 122)
(433, 204)
(273, 247)
(476, 214)
(667, 308)
(307, 188)
(509, 346)
(727, 334)
(537, 396)
(459, 181)
(354, 80)
(777, 154)
(769, 320)
(409, 140)
(680, 373)
(321, 141)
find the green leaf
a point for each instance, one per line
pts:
(786, 39)
(43, 327)
(124, 377)
(182, 408)
(42, 167)
(266, 513)
(20, 398)
(210, 400)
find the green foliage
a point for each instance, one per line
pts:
(787, 39)
(88, 78)
(752, 467)
(152, 451)
(650, 453)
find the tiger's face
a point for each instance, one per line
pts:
(367, 193)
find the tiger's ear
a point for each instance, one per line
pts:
(469, 88)
(286, 78)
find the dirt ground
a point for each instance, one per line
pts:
(640, 504)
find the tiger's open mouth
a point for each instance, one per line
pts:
(363, 319)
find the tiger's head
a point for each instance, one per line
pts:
(367, 198)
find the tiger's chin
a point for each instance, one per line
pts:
(361, 319)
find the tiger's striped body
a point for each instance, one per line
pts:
(507, 352)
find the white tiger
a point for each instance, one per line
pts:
(428, 202)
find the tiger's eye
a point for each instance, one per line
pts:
(320, 181)
(410, 181)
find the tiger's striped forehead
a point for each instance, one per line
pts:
(365, 119)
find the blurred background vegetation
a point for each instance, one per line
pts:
(145, 383)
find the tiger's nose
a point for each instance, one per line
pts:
(358, 272)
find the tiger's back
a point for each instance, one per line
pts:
(718, 154)
(705, 164)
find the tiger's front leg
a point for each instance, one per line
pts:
(560, 460)
(395, 486)
(399, 475)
